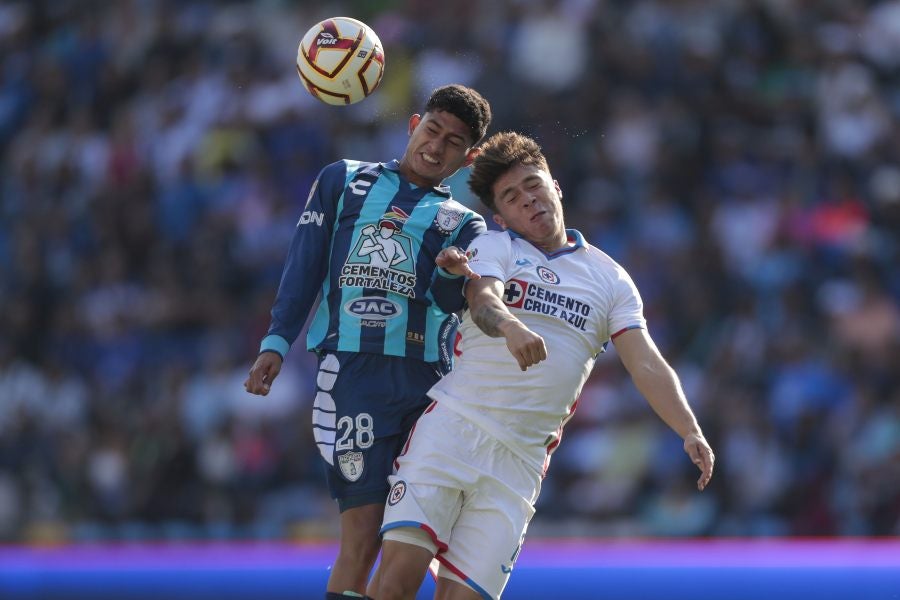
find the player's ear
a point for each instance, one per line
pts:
(414, 122)
(471, 155)
(499, 220)
(558, 189)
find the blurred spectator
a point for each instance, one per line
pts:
(739, 157)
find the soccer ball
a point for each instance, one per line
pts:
(340, 60)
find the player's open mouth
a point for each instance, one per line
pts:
(430, 159)
(536, 215)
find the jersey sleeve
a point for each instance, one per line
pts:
(307, 260)
(489, 255)
(627, 308)
(446, 288)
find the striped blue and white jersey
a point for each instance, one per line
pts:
(366, 245)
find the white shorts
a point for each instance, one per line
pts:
(469, 493)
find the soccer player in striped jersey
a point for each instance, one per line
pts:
(543, 303)
(369, 243)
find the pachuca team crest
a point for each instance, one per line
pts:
(352, 465)
(448, 219)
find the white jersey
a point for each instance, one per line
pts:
(577, 299)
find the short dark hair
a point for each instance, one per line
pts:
(464, 103)
(500, 153)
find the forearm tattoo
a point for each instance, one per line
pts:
(488, 318)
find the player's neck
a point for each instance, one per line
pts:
(414, 178)
(557, 242)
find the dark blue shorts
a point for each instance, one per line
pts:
(364, 408)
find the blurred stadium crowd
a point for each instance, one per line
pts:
(739, 157)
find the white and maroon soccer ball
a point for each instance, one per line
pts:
(340, 60)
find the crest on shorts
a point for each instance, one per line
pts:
(352, 465)
(398, 490)
(448, 219)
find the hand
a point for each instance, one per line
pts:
(701, 455)
(263, 373)
(453, 260)
(526, 346)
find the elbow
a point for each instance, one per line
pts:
(650, 372)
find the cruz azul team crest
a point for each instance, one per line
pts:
(352, 465)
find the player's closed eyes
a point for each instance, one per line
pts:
(455, 142)
(531, 186)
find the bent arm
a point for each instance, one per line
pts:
(486, 307)
(399, 256)
(659, 384)
(368, 247)
(447, 286)
(489, 313)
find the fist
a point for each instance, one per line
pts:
(263, 373)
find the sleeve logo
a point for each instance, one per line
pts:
(311, 216)
(448, 219)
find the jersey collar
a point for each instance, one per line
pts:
(573, 236)
(394, 166)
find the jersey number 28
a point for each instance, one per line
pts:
(359, 429)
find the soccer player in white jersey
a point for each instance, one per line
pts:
(542, 304)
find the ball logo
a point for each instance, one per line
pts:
(326, 39)
(398, 490)
(340, 60)
(547, 275)
(372, 308)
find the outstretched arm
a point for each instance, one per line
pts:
(493, 318)
(454, 261)
(447, 284)
(659, 384)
